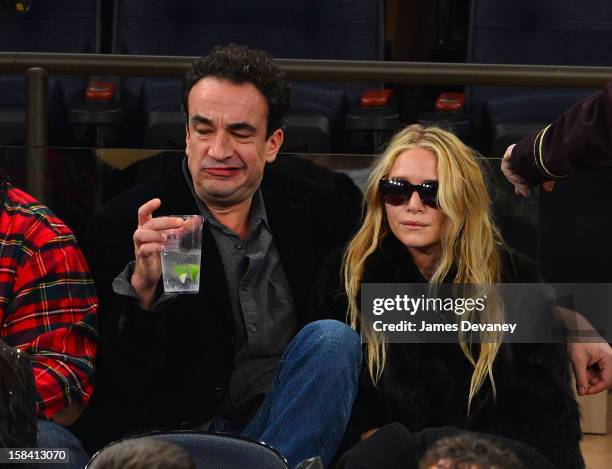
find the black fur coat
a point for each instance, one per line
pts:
(427, 385)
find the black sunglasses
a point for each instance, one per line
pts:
(398, 192)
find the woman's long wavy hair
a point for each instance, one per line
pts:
(17, 399)
(470, 241)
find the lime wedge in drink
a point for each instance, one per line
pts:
(185, 271)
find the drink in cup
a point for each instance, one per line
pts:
(180, 259)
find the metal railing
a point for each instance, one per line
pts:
(37, 66)
(325, 70)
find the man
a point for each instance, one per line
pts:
(48, 311)
(579, 139)
(213, 360)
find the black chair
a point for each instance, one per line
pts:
(537, 32)
(286, 29)
(214, 451)
(48, 26)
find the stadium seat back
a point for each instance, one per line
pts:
(532, 32)
(49, 26)
(214, 451)
(348, 30)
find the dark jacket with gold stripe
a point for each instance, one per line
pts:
(579, 139)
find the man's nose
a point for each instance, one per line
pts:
(220, 148)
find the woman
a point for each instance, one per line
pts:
(427, 219)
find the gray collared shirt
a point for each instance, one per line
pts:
(262, 307)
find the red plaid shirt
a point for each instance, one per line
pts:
(48, 303)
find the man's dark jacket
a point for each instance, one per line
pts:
(579, 139)
(166, 368)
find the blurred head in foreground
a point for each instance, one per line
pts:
(142, 453)
(468, 452)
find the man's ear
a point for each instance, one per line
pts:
(187, 139)
(273, 145)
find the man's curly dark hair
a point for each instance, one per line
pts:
(467, 451)
(240, 64)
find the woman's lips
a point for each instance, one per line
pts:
(413, 225)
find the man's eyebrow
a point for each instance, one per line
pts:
(201, 120)
(238, 126)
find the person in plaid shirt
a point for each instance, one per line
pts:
(48, 309)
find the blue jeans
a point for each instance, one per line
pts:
(53, 435)
(306, 413)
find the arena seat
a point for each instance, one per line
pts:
(538, 32)
(215, 451)
(49, 26)
(285, 29)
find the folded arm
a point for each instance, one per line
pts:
(52, 317)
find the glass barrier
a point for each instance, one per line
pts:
(75, 182)
(566, 232)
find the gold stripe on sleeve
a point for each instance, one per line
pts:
(539, 154)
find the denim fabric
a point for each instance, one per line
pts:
(306, 413)
(53, 435)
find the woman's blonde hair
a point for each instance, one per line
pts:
(470, 241)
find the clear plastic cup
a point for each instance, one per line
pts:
(181, 256)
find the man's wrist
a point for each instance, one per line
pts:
(144, 290)
(122, 286)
